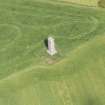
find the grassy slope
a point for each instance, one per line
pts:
(84, 2)
(76, 75)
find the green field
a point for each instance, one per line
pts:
(29, 76)
(83, 2)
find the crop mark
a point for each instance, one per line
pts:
(25, 53)
(95, 22)
(13, 41)
(63, 93)
(93, 88)
(26, 71)
(38, 96)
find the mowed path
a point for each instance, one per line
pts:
(83, 2)
(29, 76)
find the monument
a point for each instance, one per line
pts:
(51, 46)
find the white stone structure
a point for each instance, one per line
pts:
(51, 46)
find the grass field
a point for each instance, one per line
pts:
(83, 2)
(29, 76)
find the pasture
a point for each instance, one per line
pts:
(29, 76)
(83, 2)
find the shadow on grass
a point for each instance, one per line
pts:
(46, 43)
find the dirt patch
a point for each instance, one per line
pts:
(51, 61)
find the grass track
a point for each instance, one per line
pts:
(83, 2)
(76, 74)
